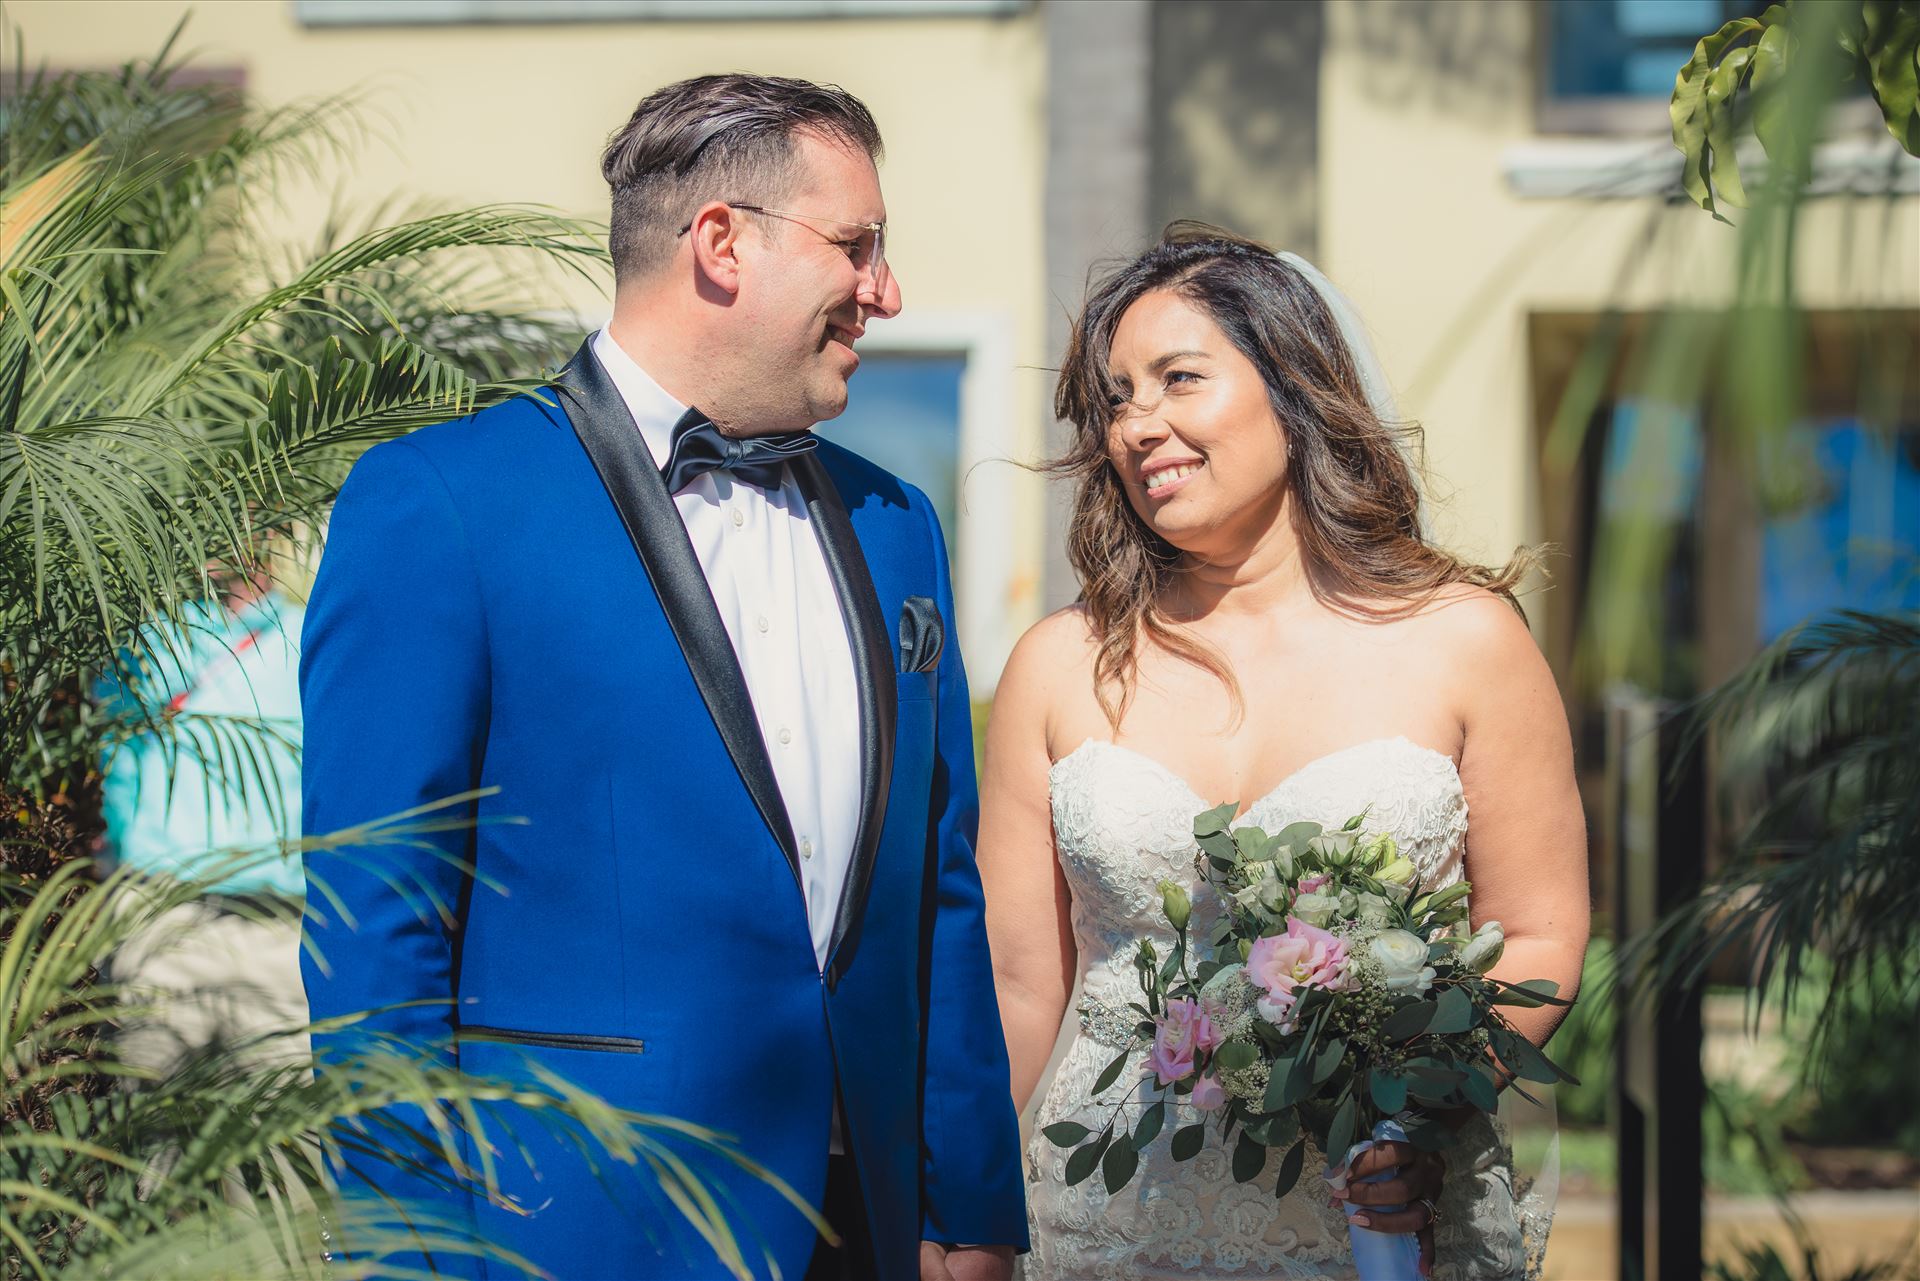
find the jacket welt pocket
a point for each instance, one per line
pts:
(554, 1040)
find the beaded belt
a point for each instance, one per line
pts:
(1109, 1025)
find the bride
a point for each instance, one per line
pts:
(1262, 620)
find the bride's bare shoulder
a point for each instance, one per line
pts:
(1051, 662)
(1063, 640)
(1474, 630)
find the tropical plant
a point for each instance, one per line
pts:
(1738, 79)
(178, 394)
(215, 1168)
(1817, 743)
(165, 408)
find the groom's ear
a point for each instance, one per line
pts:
(714, 235)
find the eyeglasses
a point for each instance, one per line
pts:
(866, 251)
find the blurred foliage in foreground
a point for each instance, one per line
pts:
(178, 396)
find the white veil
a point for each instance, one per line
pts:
(1373, 375)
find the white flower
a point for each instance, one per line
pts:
(1378, 852)
(1482, 952)
(1398, 870)
(1403, 961)
(1266, 894)
(1316, 908)
(1372, 909)
(1335, 850)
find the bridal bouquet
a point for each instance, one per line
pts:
(1337, 999)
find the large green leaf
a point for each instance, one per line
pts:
(1119, 1163)
(1692, 111)
(1249, 1158)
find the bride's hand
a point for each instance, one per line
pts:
(1415, 1185)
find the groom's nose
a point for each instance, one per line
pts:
(883, 303)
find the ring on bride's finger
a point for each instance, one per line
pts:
(1433, 1211)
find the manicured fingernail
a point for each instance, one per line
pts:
(1361, 1220)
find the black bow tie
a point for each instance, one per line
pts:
(698, 448)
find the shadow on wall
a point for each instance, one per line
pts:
(1236, 100)
(1466, 59)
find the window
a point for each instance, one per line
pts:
(932, 402)
(904, 414)
(1852, 540)
(1608, 66)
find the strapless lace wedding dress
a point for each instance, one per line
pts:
(1123, 823)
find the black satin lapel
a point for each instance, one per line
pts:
(606, 429)
(873, 672)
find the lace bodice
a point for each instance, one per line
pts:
(1123, 823)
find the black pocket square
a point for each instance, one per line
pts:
(922, 635)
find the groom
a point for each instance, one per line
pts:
(708, 662)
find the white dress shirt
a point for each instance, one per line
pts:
(769, 579)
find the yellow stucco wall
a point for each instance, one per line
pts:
(1421, 108)
(480, 113)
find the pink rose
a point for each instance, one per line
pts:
(1185, 1029)
(1309, 884)
(1305, 956)
(1208, 1093)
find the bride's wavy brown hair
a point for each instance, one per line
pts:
(1355, 499)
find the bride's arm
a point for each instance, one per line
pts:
(1526, 834)
(1027, 898)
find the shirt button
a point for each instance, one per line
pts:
(739, 518)
(786, 736)
(806, 847)
(761, 622)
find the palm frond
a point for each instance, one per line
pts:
(164, 408)
(1819, 746)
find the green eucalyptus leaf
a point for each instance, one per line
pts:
(1065, 1133)
(1290, 1167)
(1249, 1158)
(1188, 1140)
(1340, 1134)
(1235, 1056)
(1110, 1073)
(1389, 1090)
(1479, 1088)
(1280, 1070)
(1083, 1161)
(1296, 835)
(1527, 1062)
(1150, 1122)
(1215, 820)
(1408, 1021)
(1453, 1012)
(1250, 842)
(1119, 1163)
(1328, 1059)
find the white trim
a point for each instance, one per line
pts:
(1616, 169)
(399, 13)
(985, 509)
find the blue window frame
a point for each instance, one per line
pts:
(1628, 48)
(1853, 542)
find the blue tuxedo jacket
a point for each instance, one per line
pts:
(510, 601)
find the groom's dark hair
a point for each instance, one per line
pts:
(726, 137)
